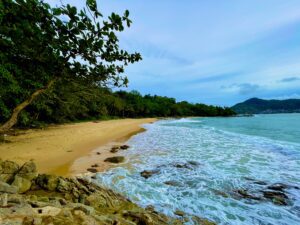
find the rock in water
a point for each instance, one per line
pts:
(115, 159)
(278, 198)
(173, 183)
(124, 147)
(148, 173)
(179, 213)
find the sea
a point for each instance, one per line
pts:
(201, 165)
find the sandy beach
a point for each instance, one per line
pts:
(71, 149)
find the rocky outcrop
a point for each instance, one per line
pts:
(115, 159)
(27, 197)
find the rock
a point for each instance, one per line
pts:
(3, 200)
(278, 187)
(179, 213)
(140, 218)
(115, 159)
(194, 163)
(114, 149)
(220, 193)
(48, 211)
(95, 165)
(47, 182)
(278, 198)
(6, 188)
(84, 208)
(259, 182)
(7, 171)
(28, 171)
(150, 208)
(22, 184)
(187, 165)
(92, 170)
(201, 221)
(148, 173)
(124, 147)
(173, 183)
(63, 185)
(98, 153)
(244, 194)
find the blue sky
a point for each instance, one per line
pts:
(212, 51)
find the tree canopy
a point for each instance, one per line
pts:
(40, 45)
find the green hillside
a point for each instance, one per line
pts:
(256, 106)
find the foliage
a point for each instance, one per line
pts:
(40, 45)
(77, 102)
(256, 105)
(77, 52)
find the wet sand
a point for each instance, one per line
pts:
(71, 149)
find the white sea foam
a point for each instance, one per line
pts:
(225, 159)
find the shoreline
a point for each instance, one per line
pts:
(70, 149)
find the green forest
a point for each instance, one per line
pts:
(59, 64)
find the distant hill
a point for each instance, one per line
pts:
(256, 106)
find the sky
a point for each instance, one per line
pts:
(218, 52)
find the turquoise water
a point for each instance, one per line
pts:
(232, 154)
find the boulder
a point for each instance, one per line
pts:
(84, 208)
(244, 194)
(6, 188)
(22, 184)
(202, 221)
(179, 213)
(28, 171)
(47, 182)
(114, 149)
(124, 147)
(148, 173)
(92, 170)
(63, 185)
(115, 159)
(173, 183)
(278, 198)
(7, 171)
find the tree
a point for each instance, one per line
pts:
(41, 45)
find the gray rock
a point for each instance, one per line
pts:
(28, 171)
(22, 184)
(7, 171)
(84, 208)
(6, 188)
(47, 182)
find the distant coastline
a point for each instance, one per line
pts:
(261, 106)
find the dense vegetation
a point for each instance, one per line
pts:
(75, 102)
(256, 106)
(57, 65)
(41, 46)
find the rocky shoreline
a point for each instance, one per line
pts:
(27, 197)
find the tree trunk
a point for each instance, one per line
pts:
(14, 117)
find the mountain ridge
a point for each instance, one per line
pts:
(262, 106)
